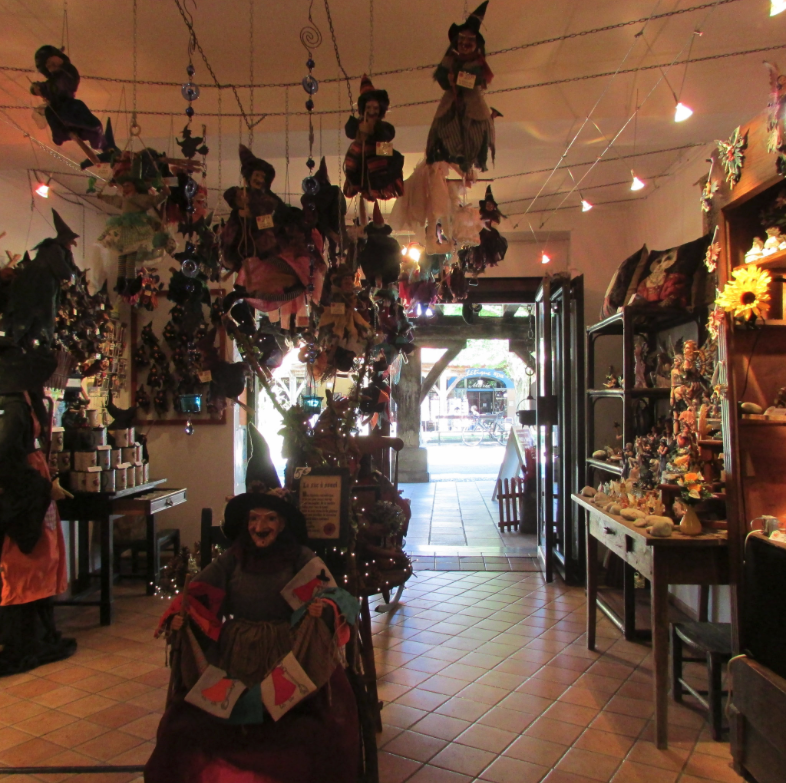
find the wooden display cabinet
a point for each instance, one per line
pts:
(755, 449)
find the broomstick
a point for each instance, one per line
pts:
(176, 641)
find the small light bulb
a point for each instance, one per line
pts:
(414, 253)
(682, 112)
(545, 259)
(404, 250)
(777, 7)
(42, 190)
(636, 184)
(429, 312)
(585, 205)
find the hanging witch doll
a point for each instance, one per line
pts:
(493, 246)
(373, 168)
(68, 118)
(462, 132)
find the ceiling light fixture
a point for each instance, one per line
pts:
(585, 205)
(545, 259)
(42, 189)
(777, 7)
(683, 112)
(636, 184)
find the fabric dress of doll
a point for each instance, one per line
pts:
(64, 113)
(33, 554)
(279, 269)
(493, 246)
(244, 626)
(462, 132)
(373, 175)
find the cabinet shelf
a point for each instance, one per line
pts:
(762, 422)
(773, 261)
(643, 318)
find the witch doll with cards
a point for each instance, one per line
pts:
(462, 132)
(258, 690)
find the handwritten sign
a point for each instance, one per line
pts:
(320, 502)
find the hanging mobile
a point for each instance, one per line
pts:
(311, 38)
(189, 90)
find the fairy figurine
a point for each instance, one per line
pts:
(68, 118)
(373, 168)
(462, 132)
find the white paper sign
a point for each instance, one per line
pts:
(314, 576)
(466, 79)
(264, 221)
(285, 686)
(215, 692)
(337, 308)
(385, 148)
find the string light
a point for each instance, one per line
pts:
(777, 7)
(636, 184)
(683, 112)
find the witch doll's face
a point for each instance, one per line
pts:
(54, 63)
(258, 181)
(371, 112)
(467, 43)
(264, 526)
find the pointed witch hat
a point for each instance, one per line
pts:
(64, 233)
(249, 163)
(322, 175)
(260, 468)
(368, 93)
(488, 197)
(472, 24)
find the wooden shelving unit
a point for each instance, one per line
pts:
(755, 460)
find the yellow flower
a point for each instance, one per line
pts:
(746, 295)
(691, 478)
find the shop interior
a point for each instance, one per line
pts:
(353, 430)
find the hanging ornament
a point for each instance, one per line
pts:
(189, 90)
(311, 38)
(189, 427)
(732, 155)
(709, 190)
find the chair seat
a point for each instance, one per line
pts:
(708, 637)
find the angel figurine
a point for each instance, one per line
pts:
(68, 118)
(462, 132)
(373, 168)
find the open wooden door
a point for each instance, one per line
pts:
(560, 425)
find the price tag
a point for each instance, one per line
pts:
(466, 79)
(301, 320)
(337, 308)
(385, 148)
(205, 377)
(264, 221)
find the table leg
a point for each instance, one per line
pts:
(107, 569)
(369, 667)
(83, 555)
(629, 597)
(592, 584)
(151, 564)
(660, 646)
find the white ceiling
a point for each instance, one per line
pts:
(537, 123)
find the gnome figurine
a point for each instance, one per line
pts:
(35, 291)
(68, 118)
(462, 132)
(373, 168)
(380, 259)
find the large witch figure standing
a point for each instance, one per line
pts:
(68, 118)
(373, 168)
(462, 132)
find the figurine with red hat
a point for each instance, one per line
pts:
(373, 168)
(462, 132)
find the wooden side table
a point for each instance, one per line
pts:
(679, 560)
(102, 509)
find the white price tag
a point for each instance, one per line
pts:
(385, 148)
(205, 377)
(466, 79)
(337, 308)
(264, 221)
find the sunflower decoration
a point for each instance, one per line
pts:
(732, 155)
(745, 296)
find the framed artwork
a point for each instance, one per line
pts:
(181, 408)
(323, 495)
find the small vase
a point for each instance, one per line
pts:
(690, 524)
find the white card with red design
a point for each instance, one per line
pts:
(312, 577)
(215, 692)
(285, 686)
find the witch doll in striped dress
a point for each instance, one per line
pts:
(462, 132)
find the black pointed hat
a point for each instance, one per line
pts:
(44, 53)
(488, 197)
(238, 509)
(368, 93)
(322, 175)
(260, 468)
(472, 24)
(249, 163)
(64, 233)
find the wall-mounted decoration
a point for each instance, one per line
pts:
(732, 155)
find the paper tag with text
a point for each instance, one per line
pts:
(385, 148)
(264, 221)
(206, 376)
(466, 79)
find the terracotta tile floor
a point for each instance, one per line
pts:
(485, 677)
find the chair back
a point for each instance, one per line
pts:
(210, 535)
(376, 446)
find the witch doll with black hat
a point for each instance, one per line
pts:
(258, 691)
(493, 246)
(68, 118)
(462, 132)
(373, 168)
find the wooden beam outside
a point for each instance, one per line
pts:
(439, 367)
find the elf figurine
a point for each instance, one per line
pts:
(462, 131)
(67, 117)
(373, 168)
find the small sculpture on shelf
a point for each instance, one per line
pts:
(756, 253)
(613, 381)
(640, 364)
(775, 241)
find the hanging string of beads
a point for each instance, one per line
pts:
(189, 90)
(311, 38)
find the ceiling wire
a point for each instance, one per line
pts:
(409, 69)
